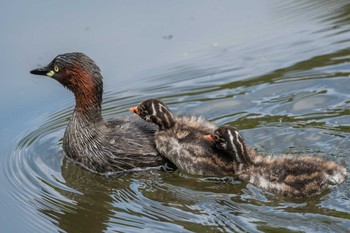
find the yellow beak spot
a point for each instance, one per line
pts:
(51, 73)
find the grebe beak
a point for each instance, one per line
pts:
(135, 110)
(46, 71)
(209, 137)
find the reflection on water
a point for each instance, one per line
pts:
(288, 92)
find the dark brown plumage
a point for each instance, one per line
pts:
(98, 145)
(291, 176)
(181, 140)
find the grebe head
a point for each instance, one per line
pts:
(78, 73)
(155, 111)
(228, 140)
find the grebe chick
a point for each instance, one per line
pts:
(98, 145)
(181, 140)
(291, 176)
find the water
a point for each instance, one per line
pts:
(279, 71)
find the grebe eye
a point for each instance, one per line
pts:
(141, 109)
(216, 137)
(221, 140)
(56, 69)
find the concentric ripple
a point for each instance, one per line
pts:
(71, 199)
(34, 172)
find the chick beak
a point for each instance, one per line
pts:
(209, 137)
(43, 71)
(135, 110)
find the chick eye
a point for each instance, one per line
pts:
(221, 140)
(56, 69)
(218, 139)
(141, 109)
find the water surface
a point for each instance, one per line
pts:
(279, 71)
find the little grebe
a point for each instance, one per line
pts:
(181, 141)
(98, 145)
(291, 176)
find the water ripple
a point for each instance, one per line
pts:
(61, 191)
